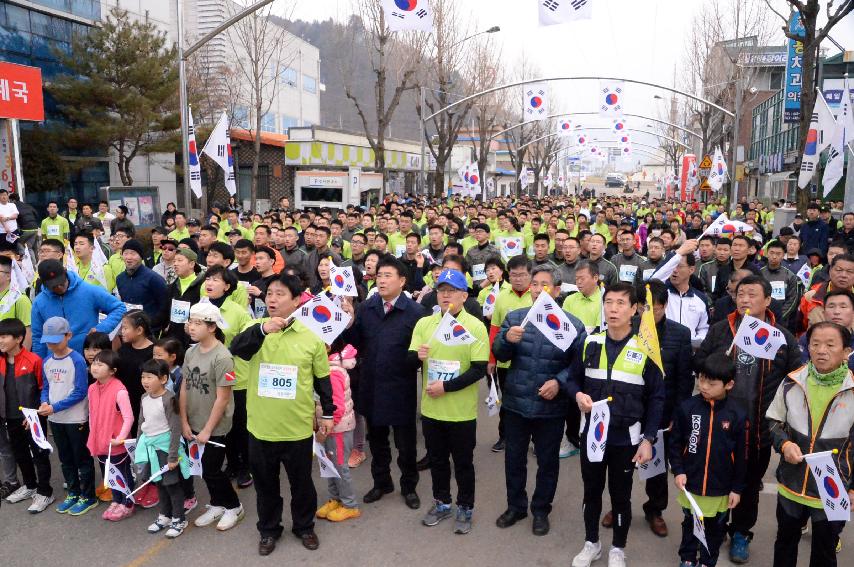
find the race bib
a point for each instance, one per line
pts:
(53, 230)
(627, 273)
(400, 250)
(260, 308)
(778, 290)
(180, 312)
(647, 274)
(478, 272)
(133, 306)
(443, 370)
(277, 381)
(568, 287)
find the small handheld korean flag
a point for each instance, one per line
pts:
(805, 273)
(551, 321)
(324, 318)
(597, 434)
(611, 99)
(831, 489)
(553, 12)
(536, 101)
(36, 431)
(451, 333)
(113, 477)
(195, 450)
(405, 15)
(726, 227)
(511, 246)
(718, 172)
(327, 467)
(343, 281)
(657, 465)
(130, 447)
(758, 338)
(489, 302)
(699, 526)
(493, 401)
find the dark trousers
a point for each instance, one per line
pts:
(171, 500)
(824, 536)
(405, 443)
(265, 460)
(715, 528)
(446, 439)
(619, 469)
(502, 378)
(573, 422)
(32, 459)
(546, 434)
(237, 440)
(656, 489)
(744, 515)
(74, 458)
(219, 486)
(123, 463)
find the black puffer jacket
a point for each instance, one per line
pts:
(675, 342)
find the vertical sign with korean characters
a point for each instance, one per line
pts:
(7, 156)
(21, 92)
(794, 72)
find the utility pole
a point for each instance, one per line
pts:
(739, 93)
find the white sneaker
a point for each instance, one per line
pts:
(21, 494)
(162, 522)
(230, 518)
(176, 528)
(567, 449)
(590, 553)
(40, 502)
(616, 558)
(212, 514)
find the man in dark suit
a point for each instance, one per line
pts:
(388, 392)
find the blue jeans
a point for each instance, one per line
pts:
(547, 434)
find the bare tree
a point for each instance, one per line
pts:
(394, 60)
(488, 110)
(541, 153)
(518, 137)
(263, 53)
(809, 11)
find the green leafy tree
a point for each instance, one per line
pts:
(121, 91)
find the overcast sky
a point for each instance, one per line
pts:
(633, 39)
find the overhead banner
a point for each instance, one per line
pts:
(794, 72)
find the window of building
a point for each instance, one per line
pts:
(309, 84)
(289, 77)
(241, 116)
(268, 122)
(289, 122)
(244, 182)
(776, 80)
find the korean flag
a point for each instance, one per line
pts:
(554, 12)
(536, 101)
(343, 281)
(611, 99)
(831, 489)
(323, 318)
(195, 450)
(404, 15)
(597, 434)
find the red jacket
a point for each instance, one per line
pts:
(28, 380)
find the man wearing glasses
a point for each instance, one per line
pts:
(165, 268)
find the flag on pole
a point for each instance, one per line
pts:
(657, 464)
(564, 128)
(624, 139)
(194, 170)
(693, 175)
(36, 431)
(619, 126)
(536, 101)
(474, 176)
(19, 281)
(218, 148)
(451, 333)
(493, 401)
(157, 474)
(648, 333)
(554, 12)
(831, 489)
(406, 15)
(323, 318)
(610, 99)
(113, 477)
(195, 450)
(822, 129)
(597, 434)
(552, 321)
(70, 262)
(327, 467)
(581, 139)
(130, 447)
(805, 273)
(343, 281)
(699, 526)
(842, 135)
(722, 226)
(489, 302)
(718, 171)
(758, 338)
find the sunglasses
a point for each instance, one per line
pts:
(168, 248)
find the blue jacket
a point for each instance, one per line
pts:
(145, 287)
(535, 360)
(80, 306)
(814, 234)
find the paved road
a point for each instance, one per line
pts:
(387, 534)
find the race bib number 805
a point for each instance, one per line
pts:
(277, 381)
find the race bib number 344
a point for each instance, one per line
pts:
(277, 381)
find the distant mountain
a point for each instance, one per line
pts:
(336, 110)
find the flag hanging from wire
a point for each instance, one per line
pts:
(611, 99)
(554, 12)
(535, 102)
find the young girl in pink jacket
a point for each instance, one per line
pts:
(342, 498)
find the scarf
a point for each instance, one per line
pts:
(832, 378)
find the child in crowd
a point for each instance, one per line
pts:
(207, 408)
(342, 498)
(92, 345)
(157, 446)
(33, 461)
(64, 403)
(110, 420)
(171, 351)
(708, 456)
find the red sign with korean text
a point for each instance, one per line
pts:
(21, 92)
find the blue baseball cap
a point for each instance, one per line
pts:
(454, 278)
(54, 330)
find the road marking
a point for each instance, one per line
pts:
(149, 554)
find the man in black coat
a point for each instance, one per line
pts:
(388, 391)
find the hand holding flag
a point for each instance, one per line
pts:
(551, 321)
(327, 467)
(597, 433)
(451, 333)
(342, 281)
(323, 317)
(834, 498)
(699, 527)
(758, 338)
(35, 426)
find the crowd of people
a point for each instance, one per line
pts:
(149, 352)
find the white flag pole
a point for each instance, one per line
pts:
(732, 344)
(822, 453)
(107, 464)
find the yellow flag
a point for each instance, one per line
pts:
(648, 334)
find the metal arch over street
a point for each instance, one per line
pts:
(549, 79)
(672, 125)
(551, 135)
(662, 160)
